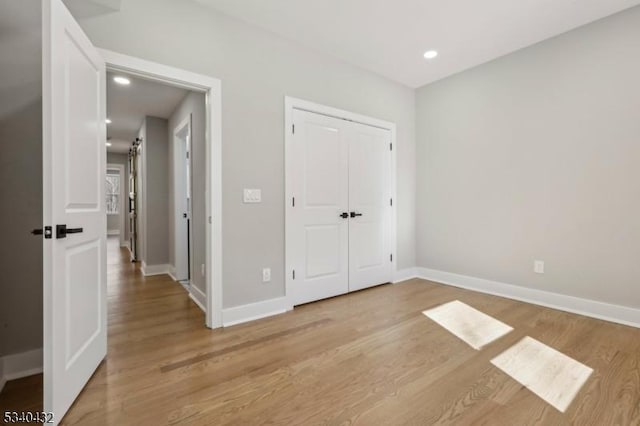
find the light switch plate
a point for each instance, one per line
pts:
(538, 267)
(252, 195)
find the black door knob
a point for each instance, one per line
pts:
(344, 215)
(354, 214)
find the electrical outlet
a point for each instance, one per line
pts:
(538, 266)
(202, 270)
(266, 275)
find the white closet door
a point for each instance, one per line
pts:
(320, 187)
(370, 199)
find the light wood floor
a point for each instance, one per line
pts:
(368, 358)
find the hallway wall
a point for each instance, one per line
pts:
(155, 199)
(21, 176)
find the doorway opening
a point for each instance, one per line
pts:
(207, 199)
(156, 147)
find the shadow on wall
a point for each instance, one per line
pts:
(21, 254)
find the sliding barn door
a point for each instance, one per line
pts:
(370, 206)
(74, 151)
(320, 216)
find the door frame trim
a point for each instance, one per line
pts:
(291, 104)
(211, 87)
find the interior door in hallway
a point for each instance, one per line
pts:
(74, 168)
(320, 221)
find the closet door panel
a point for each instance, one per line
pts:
(370, 204)
(321, 240)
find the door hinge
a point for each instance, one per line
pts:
(391, 257)
(391, 202)
(187, 155)
(293, 129)
(391, 147)
(294, 274)
(293, 201)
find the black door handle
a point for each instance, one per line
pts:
(354, 214)
(37, 232)
(344, 215)
(62, 231)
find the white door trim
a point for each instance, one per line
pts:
(121, 207)
(290, 104)
(212, 88)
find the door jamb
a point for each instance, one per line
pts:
(212, 88)
(290, 104)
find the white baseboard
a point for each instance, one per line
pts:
(198, 297)
(405, 274)
(17, 366)
(113, 232)
(590, 308)
(149, 270)
(254, 311)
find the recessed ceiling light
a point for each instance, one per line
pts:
(122, 80)
(108, 143)
(430, 54)
(108, 121)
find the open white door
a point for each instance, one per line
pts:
(74, 136)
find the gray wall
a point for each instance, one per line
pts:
(537, 156)
(21, 176)
(156, 189)
(193, 104)
(257, 70)
(112, 220)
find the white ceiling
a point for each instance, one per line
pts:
(128, 105)
(389, 37)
